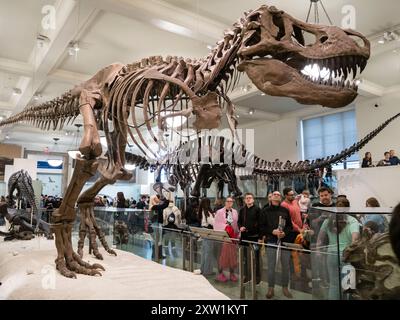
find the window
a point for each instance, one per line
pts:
(328, 135)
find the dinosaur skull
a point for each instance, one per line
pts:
(277, 58)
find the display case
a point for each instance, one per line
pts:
(351, 255)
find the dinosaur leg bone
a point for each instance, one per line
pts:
(67, 261)
(86, 207)
(90, 146)
(88, 221)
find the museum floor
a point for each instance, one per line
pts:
(27, 272)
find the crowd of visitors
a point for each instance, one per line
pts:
(389, 159)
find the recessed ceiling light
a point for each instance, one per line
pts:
(251, 112)
(7, 137)
(37, 96)
(172, 27)
(73, 48)
(381, 41)
(209, 46)
(263, 94)
(16, 91)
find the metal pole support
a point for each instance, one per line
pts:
(241, 273)
(191, 254)
(253, 273)
(184, 244)
(156, 241)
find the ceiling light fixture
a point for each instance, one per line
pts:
(55, 162)
(73, 48)
(16, 91)
(251, 111)
(37, 96)
(130, 167)
(172, 27)
(42, 40)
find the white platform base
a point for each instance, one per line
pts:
(27, 271)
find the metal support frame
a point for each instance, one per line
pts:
(156, 247)
(242, 293)
(191, 254)
(184, 244)
(253, 272)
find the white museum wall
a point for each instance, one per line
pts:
(368, 118)
(379, 182)
(19, 164)
(276, 139)
(281, 139)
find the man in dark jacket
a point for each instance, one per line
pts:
(142, 203)
(249, 231)
(275, 227)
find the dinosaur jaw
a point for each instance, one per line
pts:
(287, 76)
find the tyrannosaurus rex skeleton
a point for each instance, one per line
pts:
(268, 44)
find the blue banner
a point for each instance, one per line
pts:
(45, 165)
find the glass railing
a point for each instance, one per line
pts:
(320, 265)
(352, 254)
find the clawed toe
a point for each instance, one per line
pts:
(111, 251)
(98, 266)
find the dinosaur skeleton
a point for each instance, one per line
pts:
(377, 268)
(124, 100)
(23, 225)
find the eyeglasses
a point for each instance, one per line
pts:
(229, 201)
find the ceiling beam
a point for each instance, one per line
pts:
(16, 67)
(199, 27)
(6, 105)
(68, 76)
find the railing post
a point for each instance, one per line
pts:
(184, 244)
(191, 253)
(241, 273)
(156, 240)
(253, 272)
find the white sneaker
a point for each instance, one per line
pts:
(197, 271)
